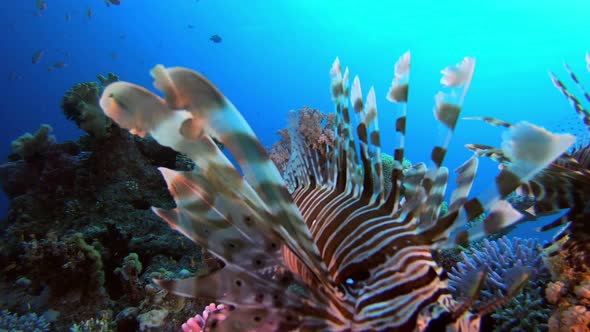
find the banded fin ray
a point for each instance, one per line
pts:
(560, 185)
(213, 114)
(189, 134)
(362, 259)
(531, 149)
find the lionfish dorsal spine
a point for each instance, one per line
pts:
(576, 104)
(336, 253)
(531, 149)
(369, 140)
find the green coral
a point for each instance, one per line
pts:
(129, 274)
(69, 265)
(28, 146)
(93, 325)
(388, 162)
(93, 260)
(131, 264)
(528, 311)
(81, 104)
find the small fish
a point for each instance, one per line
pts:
(112, 2)
(13, 76)
(37, 56)
(190, 26)
(68, 17)
(114, 55)
(42, 5)
(60, 64)
(215, 38)
(89, 13)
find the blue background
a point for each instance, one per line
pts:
(275, 56)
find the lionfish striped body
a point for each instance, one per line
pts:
(339, 253)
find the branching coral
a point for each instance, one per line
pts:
(502, 258)
(528, 311)
(25, 323)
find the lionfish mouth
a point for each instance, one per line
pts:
(338, 251)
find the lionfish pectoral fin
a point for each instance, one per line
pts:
(133, 107)
(214, 114)
(252, 319)
(233, 285)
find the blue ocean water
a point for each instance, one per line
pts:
(274, 56)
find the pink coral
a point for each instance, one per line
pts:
(316, 130)
(554, 291)
(197, 323)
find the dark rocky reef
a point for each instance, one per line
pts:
(80, 240)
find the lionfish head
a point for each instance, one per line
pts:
(337, 252)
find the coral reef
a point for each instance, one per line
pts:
(79, 244)
(570, 293)
(93, 325)
(315, 128)
(502, 258)
(197, 323)
(527, 311)
(80, 104)
(28, 146)
(29, 322)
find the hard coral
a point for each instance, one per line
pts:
(80, 104)
(197, 323)
(315, 129)
(29, 146)
(129, 274)
(573, 287)
(502, 258)
(68, 266)
(29, 322)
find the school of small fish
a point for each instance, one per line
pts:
(38, 57)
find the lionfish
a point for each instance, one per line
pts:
(564, 184)
(337, 253)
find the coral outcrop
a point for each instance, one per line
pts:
(79, 244)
